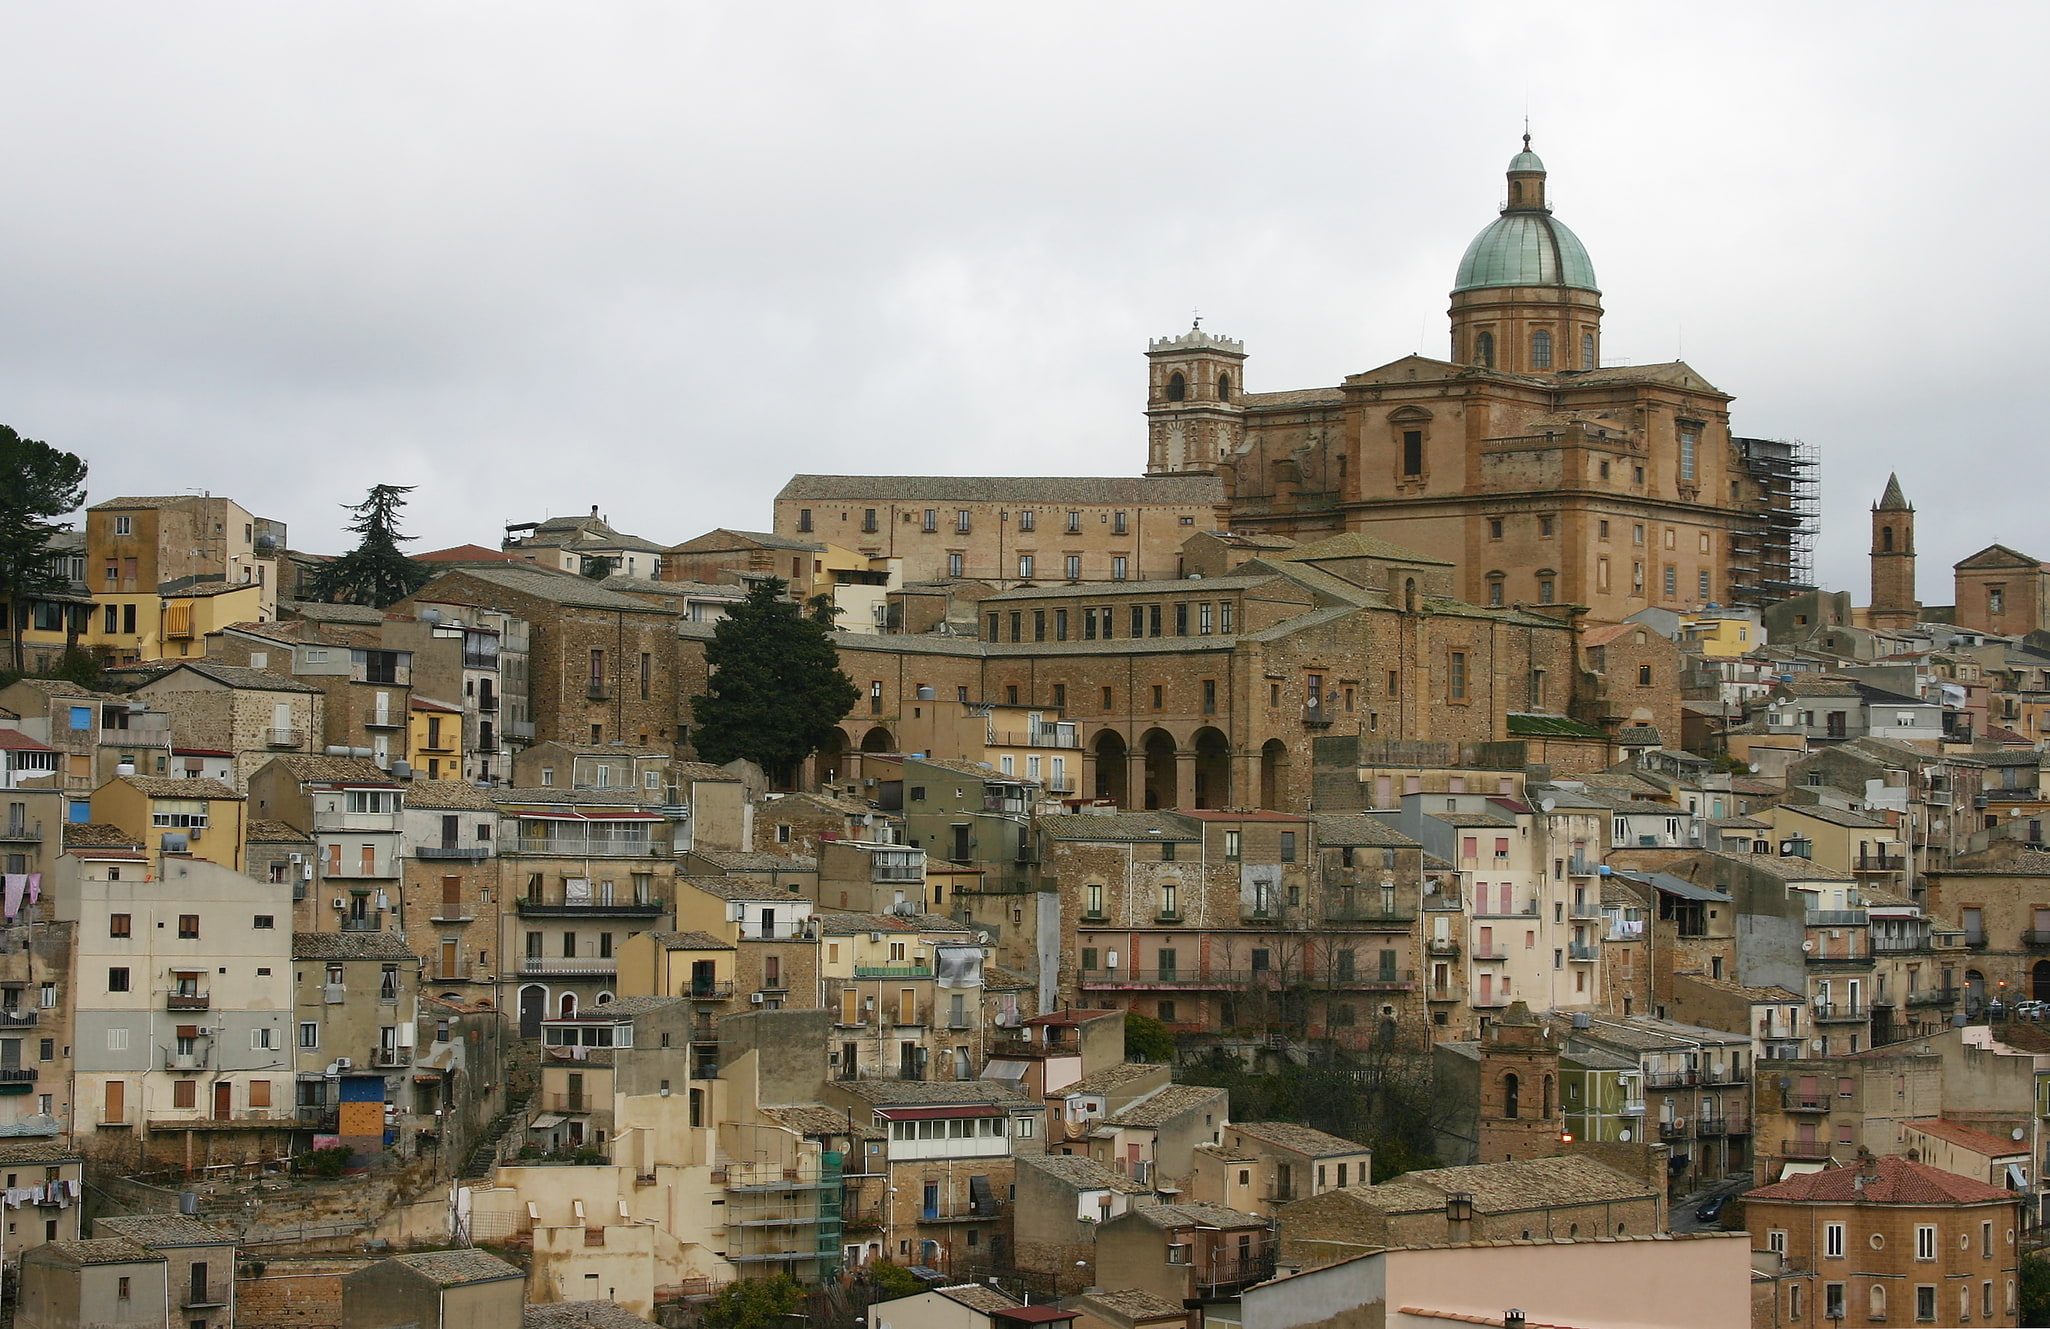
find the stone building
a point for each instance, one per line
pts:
(1006, 531)
(367, 686)
(1062, 1199)
(1890, 1238)
(450, 889)
(199, 1259)
(254, 714)
(601, 665)
(1894, 603)
(442, 1289)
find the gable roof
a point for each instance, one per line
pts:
(238, 677)
(1298, 1138)
(1893, 1180)
(561, 588)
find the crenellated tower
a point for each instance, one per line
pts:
(1194, 418)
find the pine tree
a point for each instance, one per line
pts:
(374, 573)
(776, 691)
(37, 482)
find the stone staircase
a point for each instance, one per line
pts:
(485, 1155)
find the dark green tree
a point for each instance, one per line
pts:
(776, 691)
(2035, 1289)
(892, 1280)
(754, 1303)
(599, 566)
(375, 572)
(1147, 1039)
(37, 482)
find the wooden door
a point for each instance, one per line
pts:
(224, 1100)
(117, 1102)
(448, 958)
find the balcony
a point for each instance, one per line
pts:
(1494, 950)
(1671, 1079)
(892, 971)
(184, 1061)
(1881, 863)
(1584, 910)
(1794, 1101)
(21, 832)
(214, 1296)
(1583, 951)
(1446, 946)
(715, 990)
(1817, 960)
(1316, 717)
(1450, 991)
(592, 908)
(1908, 945)
(452, 912)
(904, 872)
(17, 1075)
(1375, 917)
(1437, 903)
(390, 1058)
(577, 846)
(186, 1001)
(1490, 1001)
(1837, 918)
(1222, 1277)
(1114, 979)
(1712, 1126)
(568, 966)
(1817, 1149)
(2035, 937)
(450, 853)
(14, 1017)
(1832, 1012)
(372, 922)
(1725, 1075)
(518, 729)
(1677, 1129)
(1387, 980)
(1934, 996)
(572, 1102)
(286, 738)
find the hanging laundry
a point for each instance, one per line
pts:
(35, 887)
(17, 883)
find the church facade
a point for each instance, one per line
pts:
(1543, 475)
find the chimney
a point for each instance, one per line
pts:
(1459, 1216)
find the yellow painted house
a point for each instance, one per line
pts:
(1722, 634)
(212, 818)
(434, 738)
(174, 623)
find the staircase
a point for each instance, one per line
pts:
(479, 1164)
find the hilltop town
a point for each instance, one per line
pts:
(1423, 846)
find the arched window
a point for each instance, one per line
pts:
(1484, 350)
(1548, 1095)
(1541, 349)
(1587, 351)
(1878, 1302)
(1495, 581)
(1224, 387)
(1886, 546)
(1177, 386)
(1509, 1093)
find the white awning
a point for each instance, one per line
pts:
(544, 1122)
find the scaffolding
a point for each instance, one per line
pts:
(785, 1219)
(1771, 541)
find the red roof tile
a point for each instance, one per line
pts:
(1895, 1181)
(1977, 1141)
(20, 742)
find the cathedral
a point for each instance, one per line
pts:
(1542, 475)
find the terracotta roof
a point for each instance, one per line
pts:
(467, 554)
(1118, 826)
(580, 1315)
(164, 1230)
(105, 1250)
(1167, 1103)
(996, 978)
(1084, 1173)
(1965, 1137)
(16, 741)
(510, 797)
(747, 860)
(39, 1151)
(979, 1298)
(264, 831)
(1352, 544)
(741, 888)
(1093, 491)
(906, 1093)
(1299, 1139)
(1107, 1078)
(847, 924)
(235, 676)
(455, 1268)
(560, 588)
(333, 770)
(1138, 1304)
(97, 835)
(349, 946)
(690, 941)
(1531, 1183)
(1359, 828)
(1895, 1180)
(1755, 994)
(816, 1119)
(320, 612)
(1197, 1215)
(156, 786)
(448, 796)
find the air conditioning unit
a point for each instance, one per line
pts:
(754, 998)
(344, 1064)
(340, 903)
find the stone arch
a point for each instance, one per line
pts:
(1549, 1102)
(830, 756)
(533, 1009)
(1975, 991)
(1213, 767)
(1112, 767)
(1512, 1089)
(1177, 386)
(878, 739)
(1273, 773)
(1159, 748)
(566, 1005)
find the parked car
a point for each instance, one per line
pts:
(1712, 1209)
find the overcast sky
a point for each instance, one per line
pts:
(658, 257)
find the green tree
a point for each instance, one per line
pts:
(37, 482)
(375, 572)
(892, 1280)
(754, 1303)
(1147, 1039)
(599, 566)
(2035, 1289)
(776, 691)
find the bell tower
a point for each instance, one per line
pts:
(1893, 561)
(1194, 417)
(1520, 1115)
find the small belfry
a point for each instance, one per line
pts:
(1893, 561)
(1195, 419)
(1525, 300)
(1520, 1114)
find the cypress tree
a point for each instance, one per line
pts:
(776, 691)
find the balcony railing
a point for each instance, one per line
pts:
(1443, 946)
(1438, 903)
(628, 908)
(2035, 937)
(186, 1001)
(1586, 909)
(1221, 1275)
(1492, 950)
(569, 965)
(21, 832)
(1837, 918)
(287, 738)
(577, 846)
(715, 990)
(572, 1103)
(897, 872)
(1489, 1001)
(1881, 863)
(1316, 717)
(1934, 996)
(1906, 945)
(1833, 1012)
(1677, 1129)
(1671, 1079)
(1370, 916)
(466, 853)
(1804, 1149)
(16, 1018)
(1445, 992)
(1583, 951)
(1792, 1100)
(17, 1075)
(366, 923)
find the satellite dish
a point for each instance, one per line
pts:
(1807, 945)
(1624, 1135)
(2016, 1133)
(1549, 804)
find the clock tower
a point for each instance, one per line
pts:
(1194, 391)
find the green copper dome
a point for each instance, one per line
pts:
(1526, 245)
(1525, 248)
